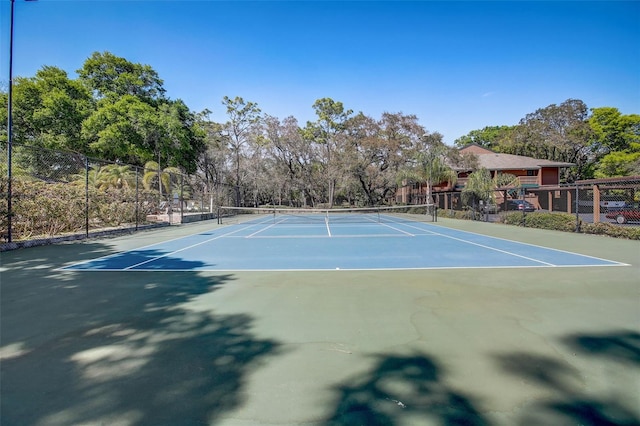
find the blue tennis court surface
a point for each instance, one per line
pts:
(267, 245)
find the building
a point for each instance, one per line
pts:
(531, 173)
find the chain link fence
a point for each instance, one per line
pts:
(613, 200)
(54, 194)
(61, 194)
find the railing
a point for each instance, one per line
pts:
(528, 180)
(522, 180)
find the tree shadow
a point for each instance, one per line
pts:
(118, 347)
(621, 346)
(121, 261)
(571, 403)
(403, 389)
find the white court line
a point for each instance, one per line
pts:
(326, 222)
(342, 270)
(399, 230)
(491, 248)
(512, 241)
(284, 237)
(420, 228)
(132, 250)
(259, 231)
(186, 248)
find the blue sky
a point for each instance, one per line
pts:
(458, 66)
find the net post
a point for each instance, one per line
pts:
(218, 216)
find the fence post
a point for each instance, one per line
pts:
(137, 209)
(9, 188)
(577, 209)
(596, 203)
(524, 215)
(86, 195)
(181, 198)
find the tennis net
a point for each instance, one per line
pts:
(284, 215)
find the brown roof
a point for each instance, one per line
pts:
(498, 161)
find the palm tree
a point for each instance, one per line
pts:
(153, 174)
(482, 187)
(479, 187)
(430, 167)
(95, 178)
(109, 176)
(118, 176)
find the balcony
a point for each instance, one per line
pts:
(523, 181)
(528, 181)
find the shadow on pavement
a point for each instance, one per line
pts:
(620, 346)
(572, 402)
(413, 389)
(407, 390)
(117, 347)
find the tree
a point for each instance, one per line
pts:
(48, 111)
(620, 163)
(432, 164)
(328, 132)
(613, 131)
(118, 176)
(127, 130)
(132, 131)
(242, 128)
(107, 75)
(181, 137)
(489, 137)
(617, 139)
(558, 133)
(294, 160)
(212, 161)
(480, 186)
(114, 176)
(377, 152)
(163, 179)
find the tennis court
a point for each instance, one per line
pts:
(317, 241)
(249, 323)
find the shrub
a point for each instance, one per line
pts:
(46, 209)
(567, 222)
(417, 210)
(464, 214)
(611, 230)
(554, 221)
(112, 206)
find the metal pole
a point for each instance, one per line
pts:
(86, 195)
(522, 194)
(137, 209)
(181, 198)
(10, 128)
(577, 210)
